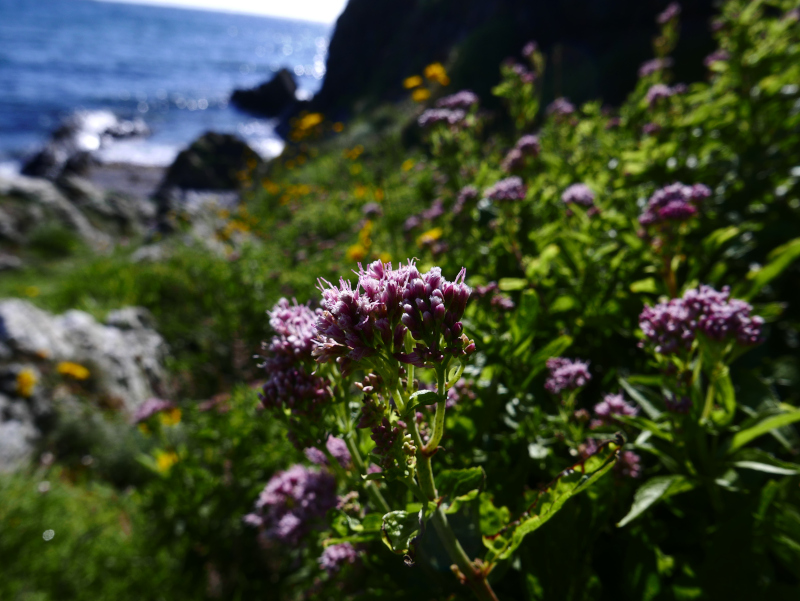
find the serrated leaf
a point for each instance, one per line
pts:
(493, 519)
(398, 530)
(652, 491)
(569, 483)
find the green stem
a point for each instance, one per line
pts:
(441, 405)
(475, 578)
(424, 470)
(709, 404)
(372, 489)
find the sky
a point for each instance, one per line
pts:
(321, 11)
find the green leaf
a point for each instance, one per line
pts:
(761, 428)
(647, 285)
(652, 491)
(719, 237)
(511, 284)
(780, 258)
(563, 303)
(637, 396)
(726, 396)
(646, 424)
(569, 483)
(766, 468)
(399, 529)
(372, 522)
(454, 483)
(493, 519)
(422, 397)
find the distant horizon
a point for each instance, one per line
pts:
(315, 11)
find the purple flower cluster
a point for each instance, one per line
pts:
(671, 12)
(610, 406)
(435, 210)
(673, 326)
(527, 146)
(432, 309)
(579, 194)
(336, 447)
(465, 100)
(655, 65)
(718, 56)
(660, 91)
(151, 407)
(292, 501)
(650, 129)
(356, 322)
(529, 49)
(333, 558)
(289, 383)
(466, 195)
(566, 374)
(371, 210)
(508, 189)
(560, 106)
(447, 116)
(525, 75)
(675, 202)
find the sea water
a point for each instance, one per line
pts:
(173, 68)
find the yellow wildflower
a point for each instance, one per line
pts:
(407, 165)
(309, 121)
(385, 257)
(26, 381)
(32, 291)
(421, 94)
(412, 82)
(364, 234)
(436, 72)
(379, 195)
(338, 127)
(171, 417)
(360, 191)
(165, 460)
(356, 252)
(73, 370)
(430, 236)
(270, 186)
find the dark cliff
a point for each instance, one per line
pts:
(594, 47)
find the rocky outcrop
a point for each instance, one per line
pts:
(269, 99)
(594, 47)
(70, 147)
(43, 357)
(31, 203)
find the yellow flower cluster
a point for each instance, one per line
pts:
(354, 152)
(408, 165)
(420, 94)
(73, 370)
(165, 460)
(412, 82)
(359, 251)
(429, 236)
(305, 125)
(170, 417)
(436, 72)
(26, 382)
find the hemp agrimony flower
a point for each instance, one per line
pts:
(674, 203)
(579, 194)
(508, 189)
(335, 557)
(465, 99)
(566, 374)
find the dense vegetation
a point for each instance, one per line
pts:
(611, 357)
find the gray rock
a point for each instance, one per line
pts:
(126, 365)
(37, 201)
(9, 262)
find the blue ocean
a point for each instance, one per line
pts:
(173, 68)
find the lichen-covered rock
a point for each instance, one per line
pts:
(118, 364)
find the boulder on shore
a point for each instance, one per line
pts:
(213, 162)
(269, 99)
